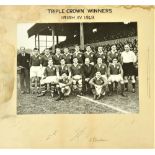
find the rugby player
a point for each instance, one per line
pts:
(113, 54)
(88, 73)
(98, 84)
(50, 79)
(77, 54)
(64, 86)
(89, 54)
(67, 56)
(35, 71)
(63, 68)
(44, 59)
(76, 72)
(115, 74)
(57, 57)
(101, 67)
(101, 54)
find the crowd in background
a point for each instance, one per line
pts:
(100, 36)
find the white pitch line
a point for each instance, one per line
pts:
(106, 105)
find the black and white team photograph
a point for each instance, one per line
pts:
(77, 68)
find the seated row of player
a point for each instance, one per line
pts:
(77, 78)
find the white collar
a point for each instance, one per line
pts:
(62, 66)
(101, 52)
(114, 51)
(76, 52)
(57, 55)
(47, 55)
(50, 66)
(36, 55)
(75, 64)
(23, 54)
(88, 52)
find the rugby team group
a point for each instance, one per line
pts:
(87, 72)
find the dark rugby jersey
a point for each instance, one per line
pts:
(56, 59)
(115, 70)
(101, 55)
(88, 71)
(64, 69)
(79, 56)
(68, 58)
(98, 81)
(50, 71)
(76, 70)
(89, 55)
(101, 68)
(44, 60)
(111, 56)
(35, 60)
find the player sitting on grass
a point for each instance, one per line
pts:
(63, 86)
(50, 79)
(115, 75)
(76, 72)
(98, 84)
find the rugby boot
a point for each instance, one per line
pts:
(122, 91)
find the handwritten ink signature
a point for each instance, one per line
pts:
(96, 139)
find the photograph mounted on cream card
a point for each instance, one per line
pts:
(77, 79)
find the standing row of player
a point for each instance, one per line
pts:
(81, 72)
(68, 56)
